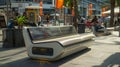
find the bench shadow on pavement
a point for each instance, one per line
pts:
(117, 42)
(111, 61)
(16, 53)
(27, 62)
(7, 49)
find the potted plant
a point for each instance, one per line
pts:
(20, 21)
(19, 41)
(13, 37)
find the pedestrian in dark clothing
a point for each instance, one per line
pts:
(10, 23)
(95, 24)
(48, 18)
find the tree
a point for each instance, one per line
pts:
(118, 4)
(68, 3)
(73, 5)
(112, 2)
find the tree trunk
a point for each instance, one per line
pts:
(75, 5)
(119, 21)
(118, 17)
(112, 12)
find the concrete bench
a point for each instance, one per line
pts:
(53, 43)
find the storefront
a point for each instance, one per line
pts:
(32, 13)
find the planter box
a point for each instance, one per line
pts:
(8, 39)
(12, 38)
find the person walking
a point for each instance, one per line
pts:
(88, 23)
(39, 20)
(11, 23)
(47, 18)
(95, 24)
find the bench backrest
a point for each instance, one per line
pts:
(41, 33)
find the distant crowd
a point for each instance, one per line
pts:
(94, 23)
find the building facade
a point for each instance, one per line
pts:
(83, 7)
(19, 5)
(48, 6)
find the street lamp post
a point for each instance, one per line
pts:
(64, 14)
(82, 7)
(7, 9)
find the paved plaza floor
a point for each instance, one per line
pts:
(105, 52)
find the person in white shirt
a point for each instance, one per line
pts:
(39, 20)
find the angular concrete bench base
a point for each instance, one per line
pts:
(102, 34)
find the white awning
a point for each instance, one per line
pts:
(116, 10)
(33, 7)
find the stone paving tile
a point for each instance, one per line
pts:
(105, 52)
(102, 55)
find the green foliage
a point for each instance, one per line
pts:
(68, 3)
(118, 3)
(21, 20)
